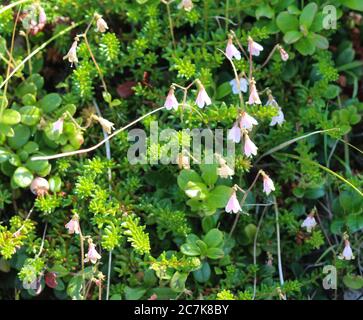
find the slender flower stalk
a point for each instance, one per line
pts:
(243, 201)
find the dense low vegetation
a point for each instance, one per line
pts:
(282, 219)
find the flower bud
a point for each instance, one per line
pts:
(39, 186)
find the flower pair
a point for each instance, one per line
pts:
(202, 99)
(233, 204)
(232, 52)
(73, 227)
(245, 121)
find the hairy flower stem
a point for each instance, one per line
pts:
(255, 250)
(108, 156)
(269, 57)
(38, 49)
(171, 27)
(242, 202)
(279, 261)
(239, 44)
(3, 102)
(185, 93)
(81, 240)
(72, 153)
(43, 240)
(28, 49)
(241, 101)
(227, 14)
(99, 71)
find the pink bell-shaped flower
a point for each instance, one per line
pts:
(249, 147)
(232, 51)
(171, 102)
(247, 122)
(233, 204)
(202, 97)
(254, 48)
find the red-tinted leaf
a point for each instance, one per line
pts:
(51, 280)
(125, 90)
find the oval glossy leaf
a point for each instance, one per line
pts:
(21, 136)
(287, 22)
(292, 36)
(30, 115)
(22, 177)
(10, 117)
(308, 14)
(50, 102)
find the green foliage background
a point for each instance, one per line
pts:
(160, 241)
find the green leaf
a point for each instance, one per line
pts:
(250, 231)
(215, 253)
(177, 282)
(203, 274)
(219, 196)
(30, 115)
(74, 287)
(223, 90)
(22, 177)
(4, 155)
(353, 4)
(305, 46)
(21, 136)
(308, 14)
(350, 203)
(55, 184)
(60, 270)
(354, 282)
(292, 36)
(202, 246)
(24, 88)
(37, 166)
(196, 190)
(190, 249)
(319, 41)
(355, 222)
(187, 175)
(50, 102)
(214, 238)
(264, 10)
(314, 193)
(29, 99)
(134, 293)
(287, 22)
(209, 173)
(10, 117)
